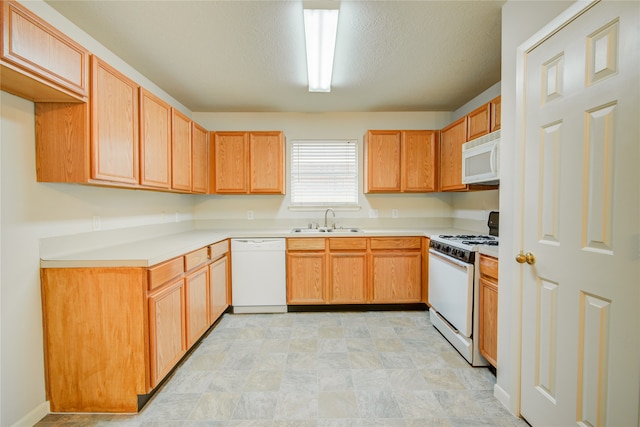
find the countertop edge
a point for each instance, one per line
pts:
(148, 252)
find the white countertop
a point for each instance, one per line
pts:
(148, 252)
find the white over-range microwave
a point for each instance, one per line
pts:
(481, 161)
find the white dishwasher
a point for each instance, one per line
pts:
(258, 275)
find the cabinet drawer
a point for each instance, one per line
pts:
(395, 243)
(489, 266)
(348, 243)
(162, 273)
(310, 244)
(196, 258)
(219, 249)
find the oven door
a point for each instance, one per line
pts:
(451, 290)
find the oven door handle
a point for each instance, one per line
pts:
(448, 259)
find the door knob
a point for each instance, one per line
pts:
(529, 258)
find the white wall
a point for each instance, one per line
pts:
(520, 20)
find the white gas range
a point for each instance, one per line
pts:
(454, 288)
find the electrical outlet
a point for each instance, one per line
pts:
(249, 214)
(96, 223)
(373, 213)
(177, 216)
(394, 213)
(163, 217)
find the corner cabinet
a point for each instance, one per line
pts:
(38, 62)
(489, 308)
(247, 162)
(113, 334)
(199, 159)
(451, 139)
(400, 161)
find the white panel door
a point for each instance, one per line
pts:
(581, 221)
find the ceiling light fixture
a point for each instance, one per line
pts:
(320, 27)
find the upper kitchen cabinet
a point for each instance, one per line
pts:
(496, 113)
(199, 159)
(94, 143)
(229, 162)
(451, 139)
(419, 160)
(114, 125)
(180, 151)
(479, 122)
(484, 119)
(266, 163)
(382, 161)
(123, 137)
(37, 61)
(155, 141)
(400, 161)
(247, 163)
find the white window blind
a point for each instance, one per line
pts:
(324, 173)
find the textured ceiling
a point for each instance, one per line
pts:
(250, 55)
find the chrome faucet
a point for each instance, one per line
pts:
(325, 216)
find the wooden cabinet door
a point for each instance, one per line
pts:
(306, 278)
(197, 304)
(167, 338)
(489, 320)
(479, 122)
(419, 161)
(396, 277)
(347, 277)
(451, 139)
(218, 276)
(199, 159)
(180, 151)
(114, 125)
(155, 141)
(496, 113)
(229, 157)
(39, 62)
(382, 161)
(266, 163)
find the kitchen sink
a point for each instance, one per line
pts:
(320, 230)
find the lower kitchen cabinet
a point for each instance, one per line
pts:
(347, 270)
(354, 270)
(219, 285)
(306, 271)
(489, 308)
(95, 338)
(197, 297)
(167, 329)
(396, 270)
(112, 334)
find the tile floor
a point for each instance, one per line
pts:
(378, 368)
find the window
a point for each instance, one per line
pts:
(324, 173)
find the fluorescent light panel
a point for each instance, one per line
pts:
(320, 27)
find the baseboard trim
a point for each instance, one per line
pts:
(503, 397)
(34, 416)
